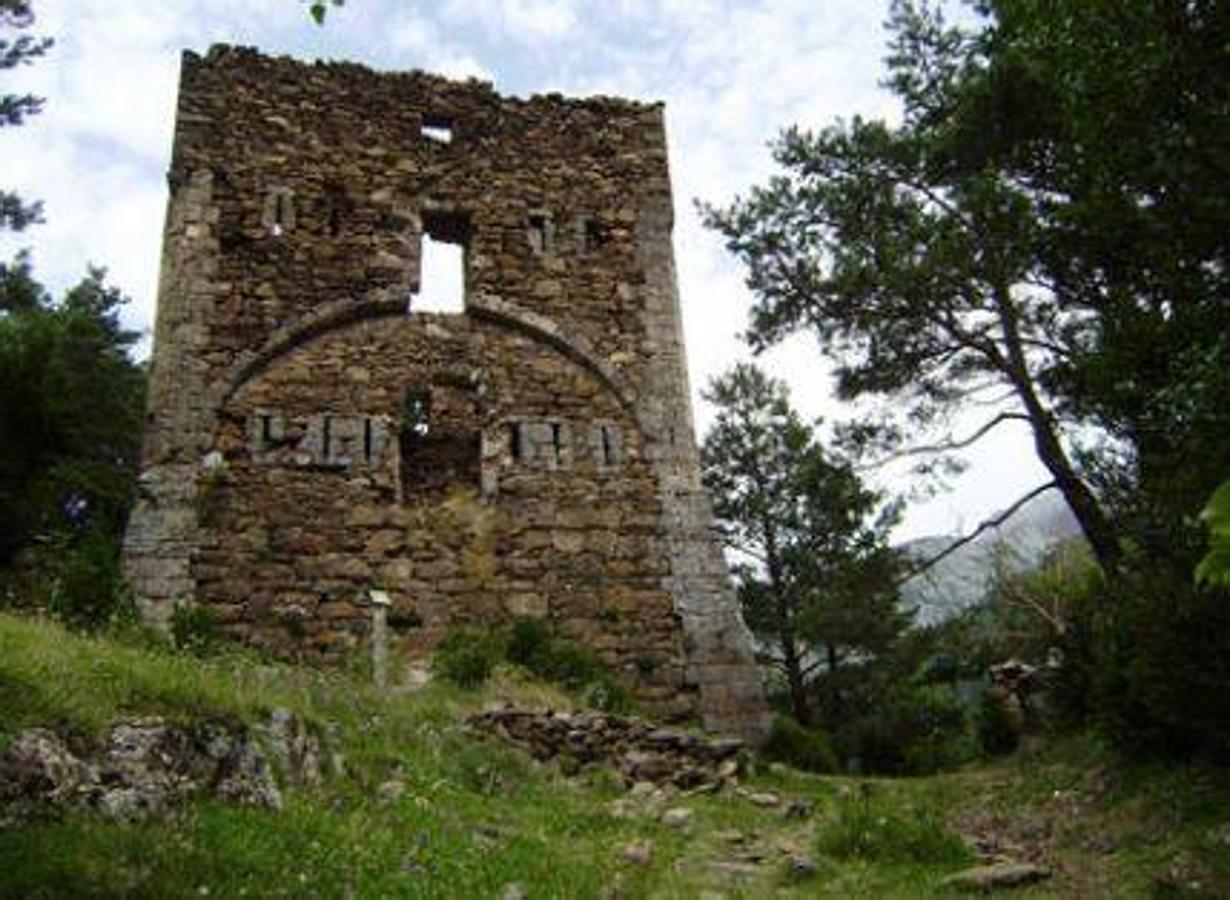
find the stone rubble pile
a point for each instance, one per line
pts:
(637, 749)
(140, 767)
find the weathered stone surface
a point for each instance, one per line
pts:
(138, 768)
(998, 875)
(639, 852)
(644, 756)
(679, 817)
(530, 453)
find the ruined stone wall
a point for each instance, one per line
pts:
(313, 437)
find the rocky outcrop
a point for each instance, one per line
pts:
(982, 879)
(141, 767)
(637, 749)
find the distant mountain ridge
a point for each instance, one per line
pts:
(962, 579)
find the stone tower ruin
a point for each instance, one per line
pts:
(315, 438)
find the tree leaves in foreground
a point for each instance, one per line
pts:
(815, 577)
(1042, 237)
(16, 15)
(71, 402)
(1214, 568)
(318, 9)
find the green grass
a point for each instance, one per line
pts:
(476, 816)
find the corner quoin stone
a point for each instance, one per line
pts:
(313, 434)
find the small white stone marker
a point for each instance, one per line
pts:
(380, 635)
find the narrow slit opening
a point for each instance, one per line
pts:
(608, 446)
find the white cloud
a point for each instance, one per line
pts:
(524, 21)
(413, 35)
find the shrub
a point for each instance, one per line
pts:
(993, 725)
(1158, 669)
(193, 630)
(466, 657)
(533, 645)
(529, 642)
(608, 695)
(87, 585)
(869, 829)
(914, 731)
(791, 743)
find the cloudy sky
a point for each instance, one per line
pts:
(732, 74)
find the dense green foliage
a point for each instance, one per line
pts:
(1049, 217)
(815, 575)
(1112, 119)
(803, 748)
(467, 657)
(71, 401)
(1042, 235)
(1214, 568)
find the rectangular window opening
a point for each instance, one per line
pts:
(266, 430)
(446, 235)
(367, 440)
(442, 279)
(557, 440)
(326, 438)
(593, 236)
(416, 415)
(438, 129)
(514, 441)
(539, 233)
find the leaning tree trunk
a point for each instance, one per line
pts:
(1094, 523)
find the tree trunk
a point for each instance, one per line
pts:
(794, 680)
(785, 628)
(1093, 521)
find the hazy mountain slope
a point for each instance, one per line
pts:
(961, 579)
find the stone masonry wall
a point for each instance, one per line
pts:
(313, 437)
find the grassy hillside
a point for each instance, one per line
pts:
(476, 817)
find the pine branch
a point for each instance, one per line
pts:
(947, 445)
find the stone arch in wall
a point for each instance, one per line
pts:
(521, 508)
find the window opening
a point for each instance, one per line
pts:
(325, 439)
(608, 446)
(441, 289)
(416, 415)
(557, 440)
(540, 233)
(279, 213)
(438, 129)
(266, 430)
(440, 440)
(336, 209)
(367, 440)
(514, 441)
(593, 235)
